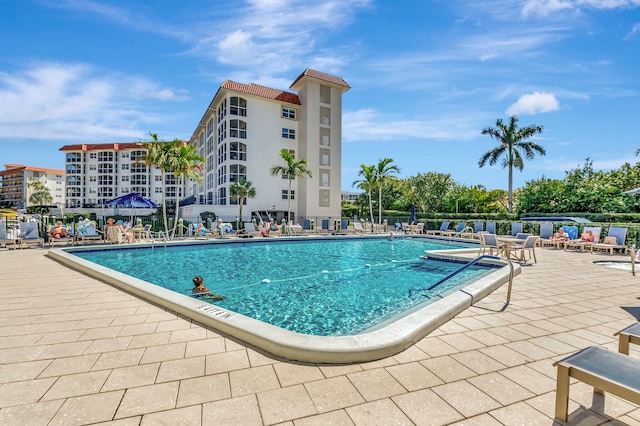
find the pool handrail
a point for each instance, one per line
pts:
(473, 262)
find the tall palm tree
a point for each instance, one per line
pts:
(384, 173)
(291, 170)
(242, 189)
(367, 182)
(511, 140)
(157, 155)
(185, 163)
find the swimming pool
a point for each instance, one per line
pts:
(311, 289)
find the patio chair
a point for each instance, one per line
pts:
(605, 370)
(516, 228)
(87, 232)
(68, 239)
(29, 235)
(357, 227)
(528, 244)
(418, 228)
(306, 226)
(615, 240)
(490, 227)
(546, 232)
(443, 228)
(489, 242)
(581, 244)
(250, 231)
(4, 238)
(460, 229)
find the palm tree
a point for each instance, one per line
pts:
(240, 190)
(512, 139)
(383, 174)
(291, 170)
(185, 163)
(157, 155)
(367, 183)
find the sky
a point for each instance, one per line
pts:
(426, 76)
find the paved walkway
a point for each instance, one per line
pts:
(74, 351)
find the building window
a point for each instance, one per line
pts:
(93, 155)
(324, 136)
(138, 179)
(238, 129)
(105, 180)
(222, 196)
(238, 106)
(325, 156)
(222, 132)
(105, 156)
(93, 178)
(284, 194)
(325, 116)
(238, 151)
(222, 175)
(158, 190)
(324, 177)
(142, 190)
(138, 168)
(222, 153)
(105, 168)
(222, 110)
(124, 178)
(157, 178)
(288, 133)
(289, 113)
(125, 155)
(125, 190)
(237, 172)
(125, 166)
(91, 167)
(325, 94)
(136, 155)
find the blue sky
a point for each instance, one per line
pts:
(426, 76)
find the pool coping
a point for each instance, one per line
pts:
(368, 346)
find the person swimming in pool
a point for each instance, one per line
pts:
(199, 288)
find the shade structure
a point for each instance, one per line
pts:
(133, 199)
(632, 191)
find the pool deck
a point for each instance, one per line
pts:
(74, 350)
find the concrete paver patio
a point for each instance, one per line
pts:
(74, 351)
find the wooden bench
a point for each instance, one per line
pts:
(629, 335)
(605, 370)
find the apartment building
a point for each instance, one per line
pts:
(97, 173)
(14, 182)
(243, 130)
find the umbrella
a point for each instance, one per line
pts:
(632, 191)
(132, 199)
(412, 219)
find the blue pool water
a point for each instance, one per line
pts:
(321, 287)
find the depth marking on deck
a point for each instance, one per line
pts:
(212, 310)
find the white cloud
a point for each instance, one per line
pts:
(534, 103)
(633, 32)
(57, 101)
(548, 7)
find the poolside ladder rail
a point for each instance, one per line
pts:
(473, 262)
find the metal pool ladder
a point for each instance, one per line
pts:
(473, 262)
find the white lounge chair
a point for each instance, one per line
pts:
(582, 245)
(615, 240)
(444, 226)
(4, 238)
(29, 235)
(87, 232)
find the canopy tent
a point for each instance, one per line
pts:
(632, 191)
(131, 200)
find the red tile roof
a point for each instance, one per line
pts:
(12, 168)
(262, 91)
(100, 146)
(321, 76)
